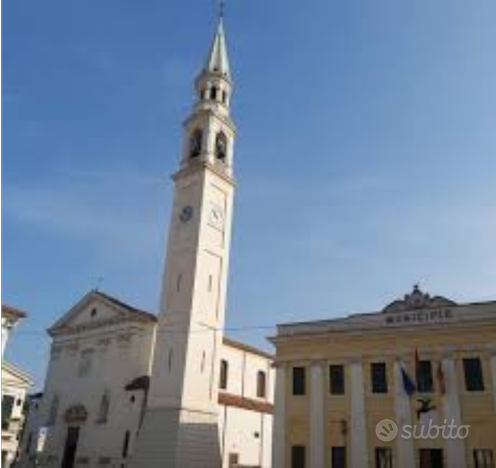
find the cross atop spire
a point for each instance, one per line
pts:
(217, 61)
(222, 5)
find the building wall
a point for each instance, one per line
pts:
(243, 432)
(243, 369)
(350, 419)
(247, 434)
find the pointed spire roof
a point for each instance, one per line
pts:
(217, 61)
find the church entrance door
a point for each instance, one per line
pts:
(71, 443)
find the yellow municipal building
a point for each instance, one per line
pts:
(413, 385)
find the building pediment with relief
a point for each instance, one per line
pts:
(418, 300)
(96, 310)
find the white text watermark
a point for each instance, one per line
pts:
(387, 430)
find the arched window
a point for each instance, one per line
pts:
(125, 444)
(169, 361)
(221, 147)
(224, 97)
(195, 143)
(224, 371)
(213, 93)
(261, 384)
(54, 410)
(104, 408)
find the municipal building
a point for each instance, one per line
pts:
(419, 361)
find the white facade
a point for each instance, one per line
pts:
(99, 347)
(102, 349)
(15, 384)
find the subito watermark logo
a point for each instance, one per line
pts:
(387, 430)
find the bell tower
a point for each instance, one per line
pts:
(180, 426)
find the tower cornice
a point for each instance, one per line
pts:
(225, 119)
(206, 166)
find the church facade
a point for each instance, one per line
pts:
(128, 388)
(367, 390)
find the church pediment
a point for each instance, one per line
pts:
(13, 376)
(97, 309)
(418, 300)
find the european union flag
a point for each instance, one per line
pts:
(408, 383)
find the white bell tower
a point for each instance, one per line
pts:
(180, 427)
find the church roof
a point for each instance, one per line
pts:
(12, 312)
(217, 61)
(245, 347)
(238, 401)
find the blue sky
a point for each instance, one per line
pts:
(366, 154)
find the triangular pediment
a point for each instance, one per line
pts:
(97, 309)
(15, 377)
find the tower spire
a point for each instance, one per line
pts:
(217, 60)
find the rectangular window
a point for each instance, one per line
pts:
(431, 458)
(224, 374)
(7, 406)
(383, 457)
(378, 375)
(298, 456)
(299, 383)
(125, 444)
(424, 377)
(483, 458)
(233, 460)
(336, 379)
(472, 368)
(338, 457)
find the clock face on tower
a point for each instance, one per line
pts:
(216, 216)
(186, 214)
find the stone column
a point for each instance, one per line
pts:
(455, 448)
(403, 411)
(279, 423)
(317, 415)
(358, 430)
